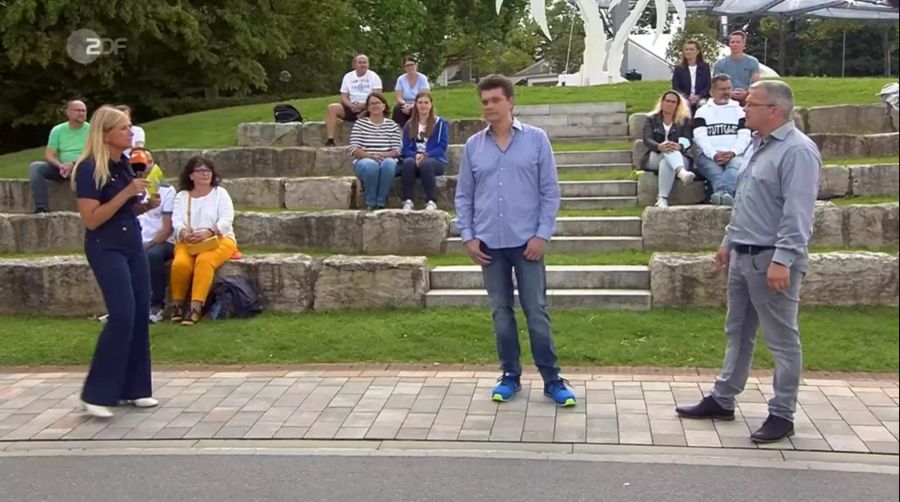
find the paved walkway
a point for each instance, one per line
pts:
(834, 415)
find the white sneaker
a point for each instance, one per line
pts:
(686, 177)
(407, 205)
(95, 410)
(662, 202)
(102, 319)
(431, 206)
(156, 315)
(145, 402)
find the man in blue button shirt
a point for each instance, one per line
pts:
(507, 197)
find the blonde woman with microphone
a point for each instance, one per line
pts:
(109, 196)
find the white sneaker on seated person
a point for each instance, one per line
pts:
(662, 202)
(430, 206)
(685, 176)
(407, 205)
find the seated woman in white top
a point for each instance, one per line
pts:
(202, 219)
(408, 86)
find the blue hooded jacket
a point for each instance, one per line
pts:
(435, 147)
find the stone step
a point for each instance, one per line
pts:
(597, 157)
(576, 120)
(385, 232)
(606, 299)
(597, 226)
(558, 277)
(597, 202)
(592, 139)
(592, 168)
(64, 285)
(605, 107)
(580, 131)
(614, 188)
(575, 244)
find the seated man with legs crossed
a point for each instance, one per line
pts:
(66, 142)
(722, 137)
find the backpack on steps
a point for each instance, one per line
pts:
(285, 112)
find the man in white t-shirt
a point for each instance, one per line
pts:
(355, 88)
(139, 137)
(156, 231)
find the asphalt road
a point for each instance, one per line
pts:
(233, 478)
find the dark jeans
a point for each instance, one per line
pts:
(429, 170)
(38, 174)
(399, 117)
(531, 281)
(157, 256)
(120, 368)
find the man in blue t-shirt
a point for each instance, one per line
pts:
(742, 68)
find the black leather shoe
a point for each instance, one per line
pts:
(772, 430)
(707, 408)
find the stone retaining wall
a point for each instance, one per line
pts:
(838, 119)
(833, 279)
(834, 182)
(314, 133)
(387, 232)
(273, 162)
(284, 282)
(702, 227)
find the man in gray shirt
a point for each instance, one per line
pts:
(765, 251)
(742, 68)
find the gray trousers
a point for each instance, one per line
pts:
(750, 305)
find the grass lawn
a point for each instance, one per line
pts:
(591, 146)
(217, 128)
(874, 199)
(852, 161)
(833, 339)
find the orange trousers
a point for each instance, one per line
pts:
(197, 272)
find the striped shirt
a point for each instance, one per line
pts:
(372, 137)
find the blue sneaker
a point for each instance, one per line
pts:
(559, 393)
(727, 199)
(507, 386)
(716, 199)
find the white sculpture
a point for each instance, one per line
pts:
(599, 66)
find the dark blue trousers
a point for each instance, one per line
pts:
(121, 365)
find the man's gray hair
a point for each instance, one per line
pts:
(779, 94)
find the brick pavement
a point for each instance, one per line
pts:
(847, 415)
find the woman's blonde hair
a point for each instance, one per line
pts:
(105, 119)
(682, 112)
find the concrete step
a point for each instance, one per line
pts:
(574, 244)
(577, 120)
(596, 226)
(594, 157)
(558, 277)
(596, 202)
(598, 108)
(579, 131)
(593, 139)
(592, 168)
(606, 299)
(616, 188)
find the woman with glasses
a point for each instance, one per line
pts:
(408, 86)
(202, 219)
(108, 194)
(375, 147)
(667, 136)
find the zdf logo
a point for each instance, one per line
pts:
(84, 46)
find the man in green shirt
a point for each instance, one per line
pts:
(66, 142)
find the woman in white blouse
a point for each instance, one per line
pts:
(202, 219)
